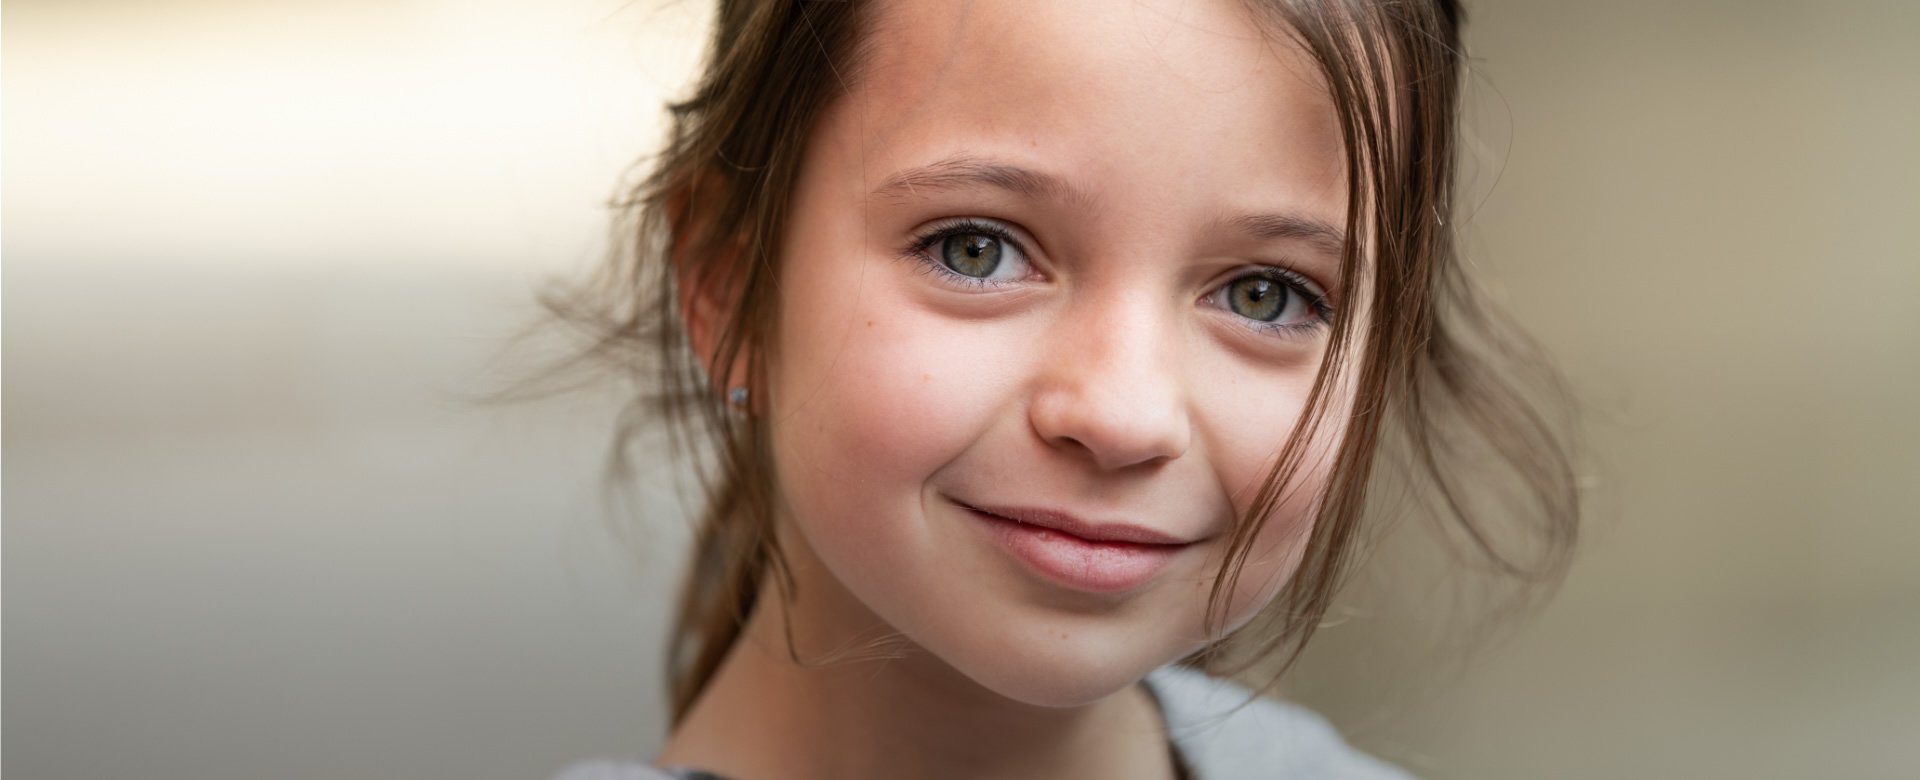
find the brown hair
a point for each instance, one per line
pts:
(1432, 381)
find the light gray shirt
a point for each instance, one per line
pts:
(1217, 737)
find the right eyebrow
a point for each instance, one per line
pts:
(965, 170)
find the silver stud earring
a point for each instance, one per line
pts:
(737, 396)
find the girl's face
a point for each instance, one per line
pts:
(1054, 291)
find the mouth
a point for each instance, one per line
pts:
(1105, 533)
(1079, 554)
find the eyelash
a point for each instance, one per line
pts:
(918, 250)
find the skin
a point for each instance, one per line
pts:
(1105, 377)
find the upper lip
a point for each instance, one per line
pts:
(1085, 529)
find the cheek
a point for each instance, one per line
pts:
(1250, 428)
(1271, 563)
(870, 397)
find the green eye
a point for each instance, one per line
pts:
(971, 254)
(1258, 298)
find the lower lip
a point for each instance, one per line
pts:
(1081, 564)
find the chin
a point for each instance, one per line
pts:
(1059, 685)
(1051, 667)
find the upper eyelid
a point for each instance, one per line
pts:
(1283, 274)
(1293, 275)
(1315, 287)
(948, 225)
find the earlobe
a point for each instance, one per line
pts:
(709, 279)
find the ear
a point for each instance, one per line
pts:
(709, 276)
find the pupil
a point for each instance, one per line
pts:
(971, 254)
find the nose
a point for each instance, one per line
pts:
(1110, 389)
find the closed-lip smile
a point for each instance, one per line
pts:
(1074, 526)
(1106, 558)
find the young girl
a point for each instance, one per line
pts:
(1037, 355)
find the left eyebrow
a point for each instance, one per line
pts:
(1316, 233)
(963, 170)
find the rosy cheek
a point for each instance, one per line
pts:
(876, 391)
(902, 407)
(937, 382)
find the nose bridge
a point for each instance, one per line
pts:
(1112, 385)
(1119, 331)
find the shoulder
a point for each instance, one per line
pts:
(1227, 733)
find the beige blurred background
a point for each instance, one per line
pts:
(258, 256)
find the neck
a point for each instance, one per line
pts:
(765, 716)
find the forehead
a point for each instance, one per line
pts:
(1185, 102)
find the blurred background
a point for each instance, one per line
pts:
(261, 257)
